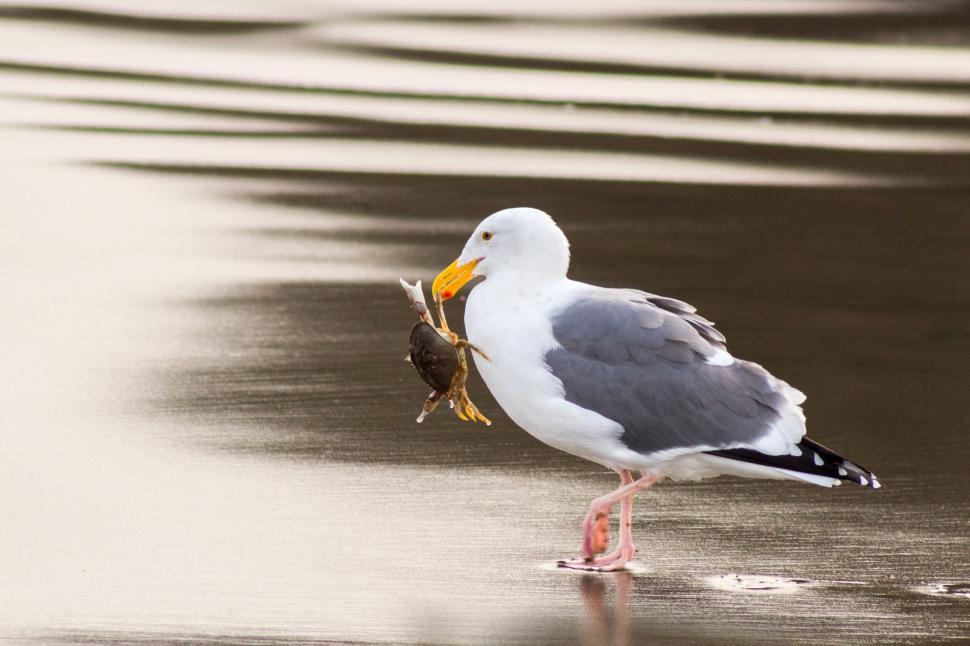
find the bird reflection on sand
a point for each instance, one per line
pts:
(600, 626)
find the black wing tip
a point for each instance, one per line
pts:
(813, 459)
(845, 469)
(858, 475)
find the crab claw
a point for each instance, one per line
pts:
(476, 415)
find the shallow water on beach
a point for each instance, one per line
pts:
(207, 427)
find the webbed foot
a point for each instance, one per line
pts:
(615, 562)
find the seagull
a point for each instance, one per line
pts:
(636, 382)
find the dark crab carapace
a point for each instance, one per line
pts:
(435, 358)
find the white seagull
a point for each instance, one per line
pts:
(630, 380)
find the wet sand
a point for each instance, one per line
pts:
(208, 431)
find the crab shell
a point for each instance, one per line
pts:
(435, 357)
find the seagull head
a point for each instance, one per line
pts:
(522, 244)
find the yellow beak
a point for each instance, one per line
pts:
(452, 279)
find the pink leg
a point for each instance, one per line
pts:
(596, 525)
(600, 508)
(624, 550)
(626, 513)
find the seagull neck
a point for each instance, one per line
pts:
(512, 284)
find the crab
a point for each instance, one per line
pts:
(438, 354)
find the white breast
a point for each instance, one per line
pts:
(514, 330)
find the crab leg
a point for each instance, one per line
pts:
(430, 404)
(464, 408)
(440, 307)
(465, 343)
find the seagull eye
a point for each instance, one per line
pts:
(486, 235)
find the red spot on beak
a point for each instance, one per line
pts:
(446, 295)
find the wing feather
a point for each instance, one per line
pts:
(642, 360)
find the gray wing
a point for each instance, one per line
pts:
(642, 361)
